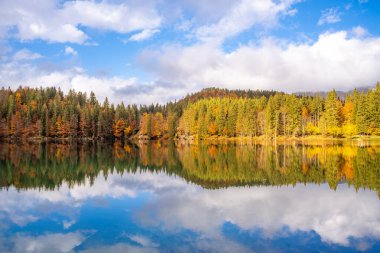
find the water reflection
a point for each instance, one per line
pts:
(136, 198)
(209, 165)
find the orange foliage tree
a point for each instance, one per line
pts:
(118, 128)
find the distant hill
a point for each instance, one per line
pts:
(341, 94)
(213, 92)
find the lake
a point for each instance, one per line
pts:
(177, 197)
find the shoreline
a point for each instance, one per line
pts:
(284, 138)
(213, 139)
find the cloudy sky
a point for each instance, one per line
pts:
(159, 50)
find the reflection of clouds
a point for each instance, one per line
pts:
(363, 246)
(335, 216)
(67, 243)
(143, 241)
(220, 244)
(17, 204)
(176, 205)
(115, 186)
(67, 224)
(49, 243)
(120, 248)
(22, 220)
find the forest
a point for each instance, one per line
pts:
(48, 113)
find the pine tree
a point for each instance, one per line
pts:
(361, 115)
(332, 113)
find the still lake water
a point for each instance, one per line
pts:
(162, 197)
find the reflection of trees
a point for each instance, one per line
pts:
(209, 165)
(282, 165)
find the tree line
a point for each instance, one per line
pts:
(284, 115)
(49, 113)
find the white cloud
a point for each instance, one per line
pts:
(359, 32)
(19, 69)
(54, 22)
(292, 12)
(330, 16)
(335, 60)
(26, 55)
(117, 89)
(70, 51)
(243, 16)
(122, 18)
(363, 1)
(143, 35)
(206, 11)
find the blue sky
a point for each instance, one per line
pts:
(159, 50)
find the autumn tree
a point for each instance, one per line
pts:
(118, 128)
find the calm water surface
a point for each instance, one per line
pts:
(162, 197)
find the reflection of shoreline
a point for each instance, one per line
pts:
(308, 140)
(262, 140)
(209, 165)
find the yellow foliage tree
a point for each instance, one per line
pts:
(212, 129)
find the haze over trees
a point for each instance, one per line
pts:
(30, 112)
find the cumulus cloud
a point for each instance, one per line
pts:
(340, 60)
(55, 22)
(330, 16)
(335, 60)
(130, 90)
(20, 69)
(243, 16)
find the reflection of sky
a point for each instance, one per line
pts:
(155, 212)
